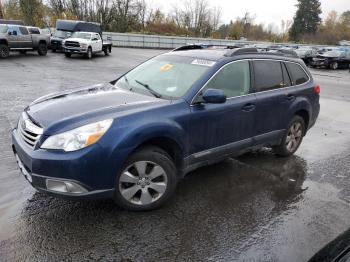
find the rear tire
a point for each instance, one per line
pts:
(4, 51)
(106, 51)
(53, 50)
(42, 49)
(292, 137)
(148, 179)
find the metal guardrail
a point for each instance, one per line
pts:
(164, 42)
(171, 42)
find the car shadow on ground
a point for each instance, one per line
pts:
(224, 200)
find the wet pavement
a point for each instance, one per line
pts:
(257, 207)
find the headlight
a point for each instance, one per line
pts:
(78, 138)
(83, 45)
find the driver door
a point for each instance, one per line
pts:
(220, 129)
(97, 43)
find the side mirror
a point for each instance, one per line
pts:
(214, 96)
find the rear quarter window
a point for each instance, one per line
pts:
(34, 31)
(297, 73)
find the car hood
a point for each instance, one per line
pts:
(68, 109)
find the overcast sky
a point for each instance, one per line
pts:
(265, 11)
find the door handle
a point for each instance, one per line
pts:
(248, 107)
(290, 97)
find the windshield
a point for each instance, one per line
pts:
(3, 29)
(62, 34)
(166, 76)
(81, 35)
(334, 53)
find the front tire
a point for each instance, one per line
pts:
(68, 54)
(292, 138)
(4, 51)
(334, 66)
(42, 49)
(147, 181)
(89, 53)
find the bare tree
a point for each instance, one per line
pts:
(1, 11)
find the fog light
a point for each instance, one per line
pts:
(64, 186)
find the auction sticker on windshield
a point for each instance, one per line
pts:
(203, 62)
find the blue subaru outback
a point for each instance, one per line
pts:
(133, 138)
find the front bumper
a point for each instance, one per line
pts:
(56, 44)
(75, 50)
(85, 168)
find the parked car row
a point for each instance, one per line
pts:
(333, 57)
(70, 37)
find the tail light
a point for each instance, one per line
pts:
(317, 89)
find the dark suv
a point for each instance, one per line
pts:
(133, 138)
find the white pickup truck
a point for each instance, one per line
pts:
(85, 43)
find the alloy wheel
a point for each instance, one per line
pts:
(143, 183)
(4, 52)
(335, 66)
(294, 136)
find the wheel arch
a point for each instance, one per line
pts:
(304, 114)
(166, 136)
(3, 42)
(167, 144)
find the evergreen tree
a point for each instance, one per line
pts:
(307, 19)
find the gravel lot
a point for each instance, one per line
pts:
(255, 208)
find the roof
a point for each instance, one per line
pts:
(209, 54)
(216, 53)
(10, 22)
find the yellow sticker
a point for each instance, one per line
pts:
(166, 67)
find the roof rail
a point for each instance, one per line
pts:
(204, 46)
(242, 51)
(237, 50)
(264, 51)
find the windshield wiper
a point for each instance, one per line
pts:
(152, 91)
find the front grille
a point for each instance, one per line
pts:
(28, 131)
(72, 44)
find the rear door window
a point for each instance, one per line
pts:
(268, 75)
(23, 30)
(297, 73)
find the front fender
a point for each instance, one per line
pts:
(125, 140)
(165, 129)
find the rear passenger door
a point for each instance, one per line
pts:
(271, 80)
(25, 37)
